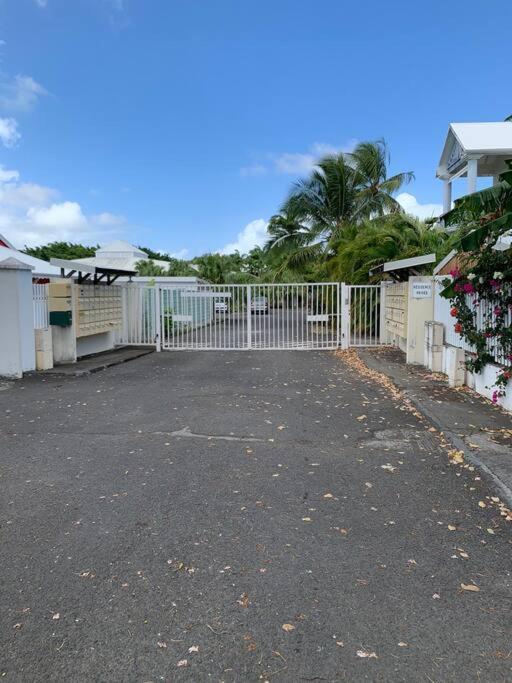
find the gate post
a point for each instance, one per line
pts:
(345, 316)
(249, 320)
(158, 319)
(382, 313)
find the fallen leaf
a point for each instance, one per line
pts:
(365, 653)
(183, 662)
(281, 427)
(451, 527)
(56, 615)
(469, 587)
(288, 627)
(481, 504)
(436, 596)
(193, 648)
(243, 601)
(161, 644)
(306, 519)
(361, 417)
(328, 495)
(388, 467)
(491, 531)
(402, 644)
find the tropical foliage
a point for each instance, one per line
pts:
(481, 290)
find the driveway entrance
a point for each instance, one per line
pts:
(277, 316)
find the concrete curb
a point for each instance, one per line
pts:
(102, 364)
(461, 445)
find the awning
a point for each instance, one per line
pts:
(82, 272)
(400, 270)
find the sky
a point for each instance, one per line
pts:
(182, 124)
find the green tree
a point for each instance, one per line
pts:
(342, 191)
(63, 250)
(360, 248)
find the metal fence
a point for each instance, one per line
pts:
(484, 317)
(40, 303)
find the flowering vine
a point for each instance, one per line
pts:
(481, 298)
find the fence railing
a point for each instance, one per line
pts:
(40, 302)
(484, 317)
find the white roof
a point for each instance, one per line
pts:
(491, 136)
(126, 262)
(488, 141)
(39, 267)
(123, 247)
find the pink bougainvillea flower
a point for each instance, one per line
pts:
(495, 396)
(458, 328)
(468, 288)
(497, 310)
(453, 312)
(455, 272)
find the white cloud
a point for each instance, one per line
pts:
(30, 214)
(253, 170)
(107, 218)
(411, 205)
(295, 163)
(7, 176)
(20, 94)
(9, 134)
(253, 235)
(63, 216)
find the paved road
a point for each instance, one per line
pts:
(164, 519)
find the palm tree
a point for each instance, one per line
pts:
(375, 189)
(343, 190)
(362, 247)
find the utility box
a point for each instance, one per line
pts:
(455, 366)
(433, 356)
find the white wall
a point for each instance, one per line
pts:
(17, 342)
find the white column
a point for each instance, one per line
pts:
(472, 175)
(447, 196)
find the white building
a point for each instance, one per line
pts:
(120, 255)
(40, 268)
(473, 150)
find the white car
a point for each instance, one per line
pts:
(221, 307)
(259, 304)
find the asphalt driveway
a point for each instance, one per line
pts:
(241, 516)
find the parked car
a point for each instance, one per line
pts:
(221, 307)
(259, 304)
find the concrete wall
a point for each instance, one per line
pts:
(17, 343)
(95, 343)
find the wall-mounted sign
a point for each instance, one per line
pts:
(421, 290)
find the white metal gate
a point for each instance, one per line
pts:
(275, 316)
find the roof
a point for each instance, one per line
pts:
(39, 267)
(123, 247)
(126, 262)
(491, 139)
(84, 271)
(491, 136)
(402, 268)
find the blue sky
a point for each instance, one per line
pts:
(181, 124)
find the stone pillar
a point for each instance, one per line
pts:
(17, 344)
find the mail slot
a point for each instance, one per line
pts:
(60, 318)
